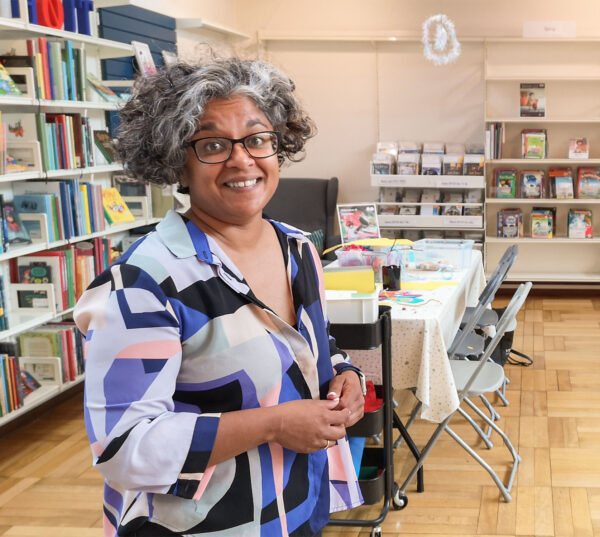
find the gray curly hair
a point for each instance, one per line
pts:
(164, 110)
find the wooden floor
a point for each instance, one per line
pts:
(49, 489)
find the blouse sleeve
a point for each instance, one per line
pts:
(133, 356)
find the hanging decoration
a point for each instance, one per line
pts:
(439, 39)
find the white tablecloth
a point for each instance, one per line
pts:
(420, 337)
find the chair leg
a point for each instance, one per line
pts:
(502, 392)
(412, 417)
(485, 437)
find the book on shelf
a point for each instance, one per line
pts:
(106, 146)
(11, 390)
(534, 143)
(128, 186)
(579, 148)
(46, 369)
(533, 99)
(561, 183)
(13, 230)
(588, 182)
(580, 224)
(144, 58)
(106, 93)
(7, 84)
(533, 183)
(505, 181)
(116, 210)
(510, 223)
(543, 222)
(43, 204)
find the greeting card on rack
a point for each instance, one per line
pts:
(144, 58)
(358, 221)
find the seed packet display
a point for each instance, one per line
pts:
(506, 183)
(510, 223)
(561, 183)
(588, 182)
(532, 184)
(580, 224)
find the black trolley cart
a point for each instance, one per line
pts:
(368, 337)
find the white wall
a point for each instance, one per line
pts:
(359, 92)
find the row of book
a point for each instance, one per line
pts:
(51, 354)
(69, 270)
(543, 223)
(560, 183)
(49, 211)
(71, 16)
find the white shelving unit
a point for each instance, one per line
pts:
(571, 73)
(430, 222)
(16, 31)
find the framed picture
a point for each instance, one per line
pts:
(32, 297)
(25, 156)
(169, 58)
(358, 221)
(144, 58)
(24, 79)
(36, 225)
(138, 205)
(45, 369)
(128, 186)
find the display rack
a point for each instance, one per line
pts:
(572, 111)
(371, 336)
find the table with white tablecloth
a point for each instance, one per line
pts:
(421, 334)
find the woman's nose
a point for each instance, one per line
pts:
(239, 155)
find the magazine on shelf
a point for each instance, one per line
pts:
(358, 221)
(543, 222)
(588, 182)
(533, 99)
(561, 183)
(534, 143)
(510, 223)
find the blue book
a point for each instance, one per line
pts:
(51, 146)
(37, 203)
(71, 70)
(67, 209)
(90, 200)
(50, 72)
(14, 8)
(65, 79)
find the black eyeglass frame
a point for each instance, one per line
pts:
(192, 144)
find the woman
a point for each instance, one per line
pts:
(215, 401)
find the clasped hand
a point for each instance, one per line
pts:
(309, 425)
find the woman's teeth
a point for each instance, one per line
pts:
(241, 184)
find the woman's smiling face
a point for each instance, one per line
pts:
(235, 191)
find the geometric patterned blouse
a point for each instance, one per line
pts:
(174, 338)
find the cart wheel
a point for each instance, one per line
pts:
(376, 531)
(399, 501)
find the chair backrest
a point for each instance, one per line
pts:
(515, 304)
(308, 204)
(485, 298)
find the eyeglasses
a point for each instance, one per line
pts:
(214, 149)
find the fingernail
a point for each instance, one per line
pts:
(332, 393)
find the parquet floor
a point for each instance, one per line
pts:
(49, 489)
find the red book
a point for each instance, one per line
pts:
(60, 119)
(78, 140)
(43, 46)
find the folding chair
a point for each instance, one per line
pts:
(474, 379)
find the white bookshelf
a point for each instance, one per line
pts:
(571, 74)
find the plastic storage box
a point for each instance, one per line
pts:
(455, 253)
(351, 307)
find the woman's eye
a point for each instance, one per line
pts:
(213, 146)
(256, 141)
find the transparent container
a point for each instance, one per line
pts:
(433, 254)
(374, 259)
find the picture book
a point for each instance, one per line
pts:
(580, 224)
(7, 84)
(115, 209)
(14, 231)
(144, 58)
(34, 272)
(561, 183)
(510, 223)
(542, 223)
(506, 183)
(532, 184)
(534, 144)
(579, 148)
(533, 99)
(28, 382)
(106, 93)
(106, 146)
(358, 221)
(588, 182)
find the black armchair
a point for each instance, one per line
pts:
(309, 205)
